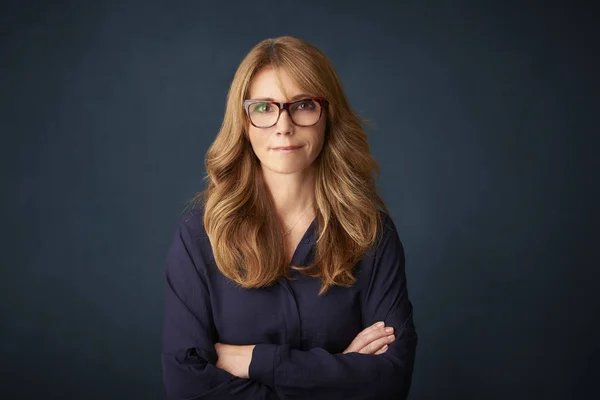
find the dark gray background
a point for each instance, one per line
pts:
(483, 117)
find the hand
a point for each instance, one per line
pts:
(372, 340)
(234, 359)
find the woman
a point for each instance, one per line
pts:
(288, 280)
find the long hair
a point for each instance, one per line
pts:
(246, 237)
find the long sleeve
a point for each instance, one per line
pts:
(317, 374)
(188, 355)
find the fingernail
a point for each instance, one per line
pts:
(389, 329)
(384, 347)
(380, 324)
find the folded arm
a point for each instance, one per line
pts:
(318, 374)
(188, 352)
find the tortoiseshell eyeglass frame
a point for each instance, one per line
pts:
(284, 106)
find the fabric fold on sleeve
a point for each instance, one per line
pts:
(263, 362)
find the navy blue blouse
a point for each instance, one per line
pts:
(299, 336)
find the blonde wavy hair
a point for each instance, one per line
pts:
(245, 234)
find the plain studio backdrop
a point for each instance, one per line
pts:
(482, 115)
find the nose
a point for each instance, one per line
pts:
(285, 126)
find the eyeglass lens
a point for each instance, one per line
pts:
(303, 113)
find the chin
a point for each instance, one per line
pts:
(282, 168)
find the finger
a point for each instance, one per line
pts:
(382, 350)
(374, 327)
(360, 342)
(374, 335)
(377, 344)
(369, 334)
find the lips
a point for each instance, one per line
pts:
(287, 148)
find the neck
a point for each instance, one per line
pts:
(292, 193)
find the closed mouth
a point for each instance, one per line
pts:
(287, 148)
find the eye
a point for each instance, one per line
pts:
(261, 107)
(305, 105)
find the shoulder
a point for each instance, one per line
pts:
(388, 239)
(191, 233)
(388, 227)
(387, 222)
(384, 262)
(192, 222)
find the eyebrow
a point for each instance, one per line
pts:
(296, 97)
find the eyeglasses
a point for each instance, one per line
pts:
(265, 114)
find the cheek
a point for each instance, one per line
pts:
(256, 141)
(319, 140)
(259, 144)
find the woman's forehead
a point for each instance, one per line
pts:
(275, 85)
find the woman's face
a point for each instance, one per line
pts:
(284, 133)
